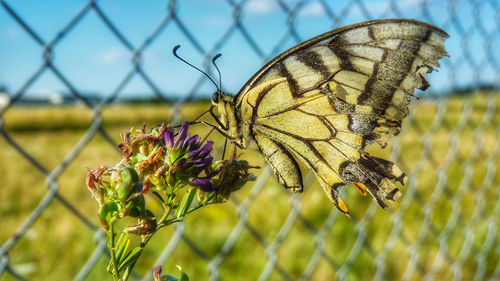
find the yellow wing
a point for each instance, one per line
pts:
(324, 100)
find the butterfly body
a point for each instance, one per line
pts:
(323, 101)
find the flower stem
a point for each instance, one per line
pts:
(202, 204)
(148, 237)
(165, 215)
(112, 249)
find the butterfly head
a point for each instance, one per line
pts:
(228, 122)
(227, 119)
(224, 104)
(216, 97)
(219, 98)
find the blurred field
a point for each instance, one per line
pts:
(449, 210)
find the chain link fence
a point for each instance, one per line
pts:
(446, 226)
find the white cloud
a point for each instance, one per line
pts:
(113, 55)
(374, 8)
(217, 20)
(12, 31)
(409, 3)
(377, 8)
(312, 9)
(260, 6)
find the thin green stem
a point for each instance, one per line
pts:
(165, 214)
(162, 222)
(148, 237)
(112, 249)
(203, 204)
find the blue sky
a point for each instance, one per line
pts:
(95, 61)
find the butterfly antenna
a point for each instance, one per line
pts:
(174, 50)
(218, 71)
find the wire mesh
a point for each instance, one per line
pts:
(444, 227)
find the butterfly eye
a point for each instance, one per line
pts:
(215, 97)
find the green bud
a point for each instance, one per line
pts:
(104, 224)
(126, 183)
(136, 206)
(239, 183)
(109, 211)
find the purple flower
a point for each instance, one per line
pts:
(181, 136)
(168, 136)
(164, 158)
(205, 184)
(186, 156)
(194, 142)
(203, 151)
(226, 177)
(180, 164)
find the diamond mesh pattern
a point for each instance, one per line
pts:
(445, 226)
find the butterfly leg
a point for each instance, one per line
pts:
(224, 127)
(218, 130)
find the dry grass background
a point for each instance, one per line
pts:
(58, 244)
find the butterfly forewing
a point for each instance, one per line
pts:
(325, 99)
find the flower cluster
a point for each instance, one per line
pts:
(118, 192)
(186, 157)
(167, 161)
(174, 168)
(230, 176)
(163, 162)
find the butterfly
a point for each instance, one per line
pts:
(323, 101)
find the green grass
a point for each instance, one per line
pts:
(58, 244)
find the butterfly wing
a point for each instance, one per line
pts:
(324, 100)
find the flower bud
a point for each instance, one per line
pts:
(136, 207)
(126, 183)
(108, 212)
(146, 225)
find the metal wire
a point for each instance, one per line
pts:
(429, 252)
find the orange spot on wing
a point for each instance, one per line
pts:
(343, 206)
(360, 187)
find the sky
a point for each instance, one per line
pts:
(95, 61)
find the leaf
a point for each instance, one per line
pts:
(109, 268)
(122, 247)
(158, 195)
(186, 202)
(109, 211)
(126, 273)
(184, 277)
(130, 259)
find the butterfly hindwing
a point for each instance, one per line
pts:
(282, 162)
(306, 128)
